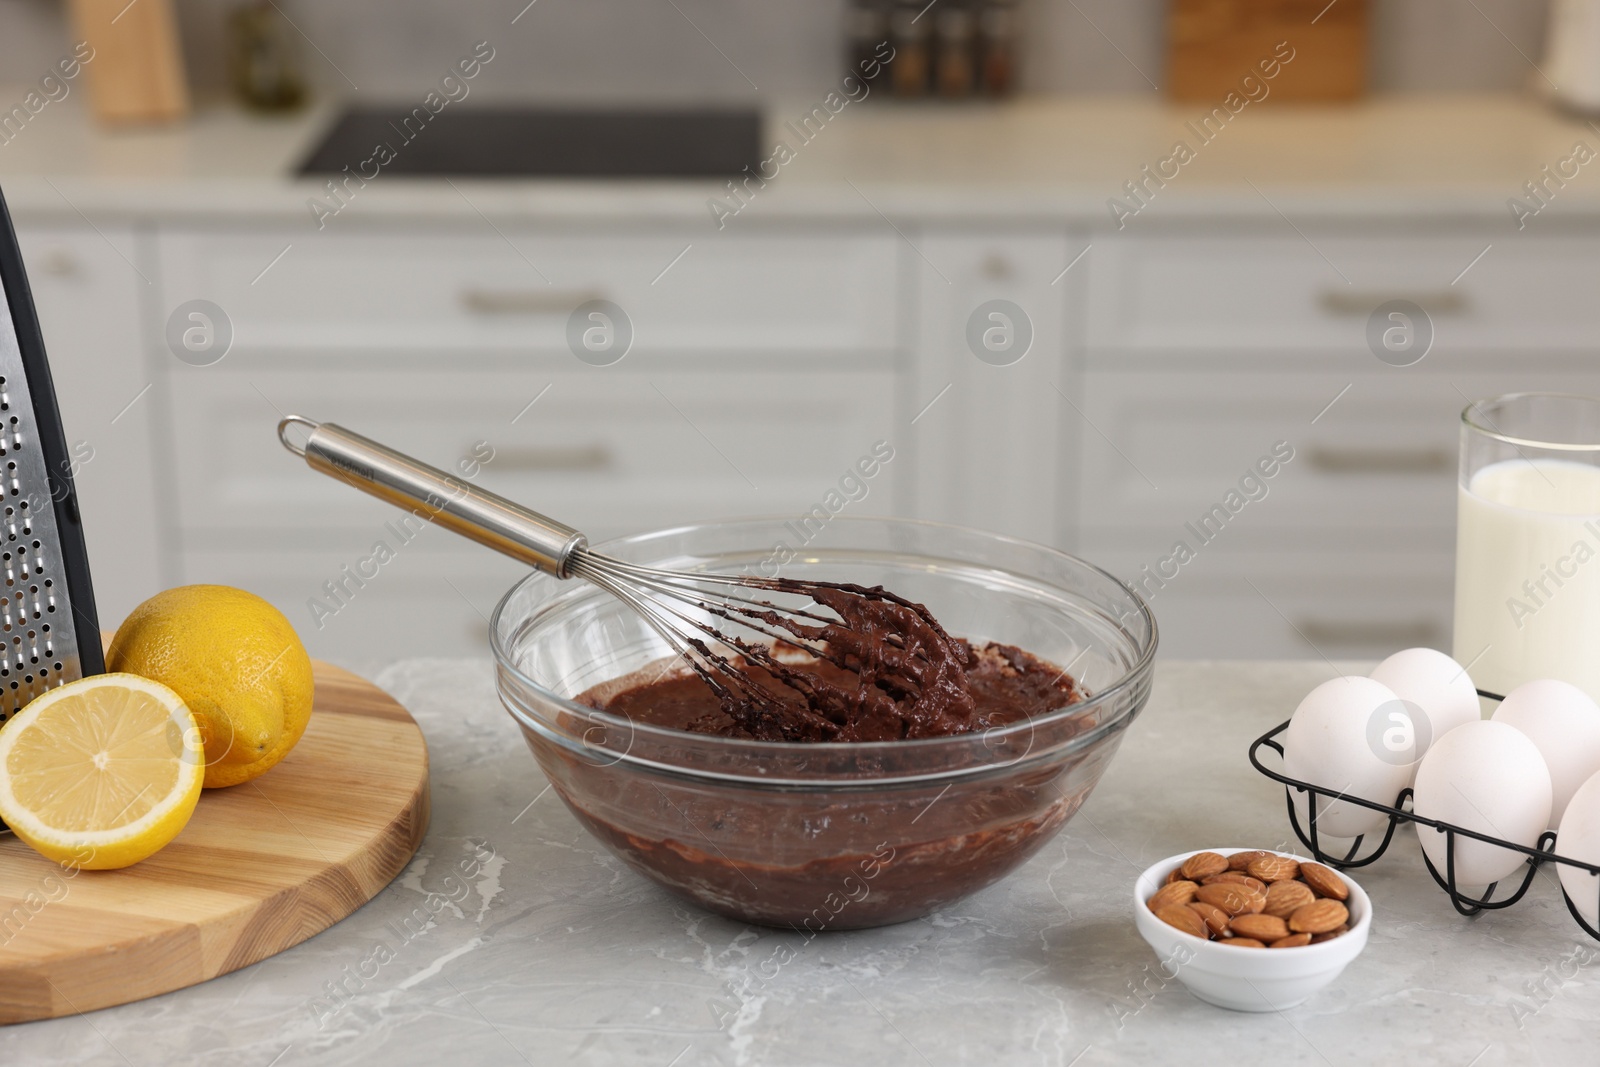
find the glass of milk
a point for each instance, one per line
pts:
(1528, 541)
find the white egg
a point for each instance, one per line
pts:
(1487, 777)
(1579, 839)
(1334, 740)
(1563, 722)
(1439, 694)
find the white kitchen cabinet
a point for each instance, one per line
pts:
(606, 450)
(1219, 293)
(1161, 368)
(89, 288)
(1205, 351)
(988, 443)
(1373, 451)
(763, 368)
(419, 290)
(434, 596)
(1294, 601)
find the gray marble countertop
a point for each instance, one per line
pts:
(514, 938)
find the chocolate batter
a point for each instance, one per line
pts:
(887, 672)
(993, 685)
(816, 860)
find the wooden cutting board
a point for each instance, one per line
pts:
(1214, 44)
(261, 866)
(136, 70)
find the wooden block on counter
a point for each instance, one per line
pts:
(136, 75)
(1214, 44)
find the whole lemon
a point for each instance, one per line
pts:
(237, 664)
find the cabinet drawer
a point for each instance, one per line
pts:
(605, 452)
(1170, 447)
(987, 441)
(1293, 605)
(422, 291)
(432, 598)
(1240, 294)
(88, 299)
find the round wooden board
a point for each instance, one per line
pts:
(261, 866)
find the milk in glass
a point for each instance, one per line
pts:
(1528, 574)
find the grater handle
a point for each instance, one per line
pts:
(434, 496)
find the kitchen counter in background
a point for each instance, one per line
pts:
(1044, 157)
(553, 952)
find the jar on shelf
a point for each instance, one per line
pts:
(264, 62)
(955, 65)
(912, 68)
(866, 34)
(997, 48)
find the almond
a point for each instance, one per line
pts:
(1317, 939)
(1274, 868)
(1174, 875)
(1268, 928)
(1233, 899)
(1240, 860)
(1258, 901)
(1285, 898)
(1292, 941)
(1242, 942)
(1215, 918)
(1325, 882)
(1175, 894)
(1319, 917)
(1238, 879)
(1183, 918)
(1203, 864)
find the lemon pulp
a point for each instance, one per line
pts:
(102, 772)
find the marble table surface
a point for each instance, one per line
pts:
(514, 938)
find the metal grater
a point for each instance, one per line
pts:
(49, 633)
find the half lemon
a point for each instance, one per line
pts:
(102, 772)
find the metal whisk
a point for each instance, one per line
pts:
(678, 605)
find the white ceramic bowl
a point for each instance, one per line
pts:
(1248, 979)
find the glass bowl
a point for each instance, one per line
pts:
(831, 835)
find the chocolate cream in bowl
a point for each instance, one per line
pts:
(888, 673)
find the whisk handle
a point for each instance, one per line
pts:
(433, 495)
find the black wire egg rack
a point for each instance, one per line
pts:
(1543, 851)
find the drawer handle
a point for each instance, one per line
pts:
(1380, 460)
(580, 458)
(526, 301)
(1346, 302)
(60, 263)
(996, 267)
(1387, 633)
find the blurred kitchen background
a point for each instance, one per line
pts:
(1172, 325)
(647, 50)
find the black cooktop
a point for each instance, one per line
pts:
(533, 143)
